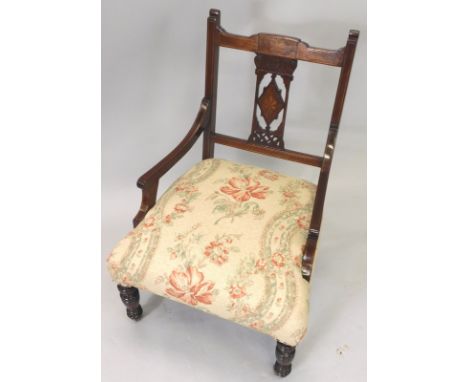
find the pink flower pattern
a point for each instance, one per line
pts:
(242, 189)
(190, 287)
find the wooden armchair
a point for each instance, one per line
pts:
(235, 240)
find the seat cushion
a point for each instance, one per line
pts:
(226, 238)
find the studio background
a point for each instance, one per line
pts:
(153, 60)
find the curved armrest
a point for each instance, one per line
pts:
(148, 182)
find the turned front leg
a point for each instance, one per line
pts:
(130, 296)
(284, 357)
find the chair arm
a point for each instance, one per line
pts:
(149, 181)
(316, 220)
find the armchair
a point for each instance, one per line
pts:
(231, 239)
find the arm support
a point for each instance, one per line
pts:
(149, 181)
(314, 228)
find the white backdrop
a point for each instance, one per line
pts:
(153, 56)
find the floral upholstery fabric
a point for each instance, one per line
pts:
(227, 239)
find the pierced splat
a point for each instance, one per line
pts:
(272, 103)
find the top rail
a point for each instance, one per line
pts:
(281, 46)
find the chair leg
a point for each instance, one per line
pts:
(131, 299)
(284, 357)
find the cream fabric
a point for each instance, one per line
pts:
(227, 239)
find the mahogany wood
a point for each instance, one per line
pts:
(280, 46)
(271, 102)
(284, 356)
(130, 296)
(291, 155)
(211, 79)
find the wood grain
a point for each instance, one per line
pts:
(280, 46)
(290, 155)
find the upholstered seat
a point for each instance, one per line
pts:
(228, 239)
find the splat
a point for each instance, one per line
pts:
(271, 101)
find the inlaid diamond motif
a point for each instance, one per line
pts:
(271, 102)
